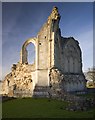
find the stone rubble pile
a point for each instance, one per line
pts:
(76, 102)
(56, 79)
(81, 104)
(19, 81)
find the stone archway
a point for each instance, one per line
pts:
(23, 53)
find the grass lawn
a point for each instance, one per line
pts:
(40, 108)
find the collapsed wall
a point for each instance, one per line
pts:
(19, 83)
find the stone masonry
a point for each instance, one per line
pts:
(58, 63)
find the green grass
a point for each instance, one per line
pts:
(40, 108)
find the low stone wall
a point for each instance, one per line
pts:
(81, 105)
(76, 102)
(90, 90)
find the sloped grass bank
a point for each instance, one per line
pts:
(40, 108)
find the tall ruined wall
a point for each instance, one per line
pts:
(68, 53)
(68, 60)
(45, 45)
(58, 50)
(46, 38)
(72, 56)
(43, 57)
(58, 63)
(43, 39)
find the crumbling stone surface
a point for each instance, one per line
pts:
(19, 81)
(82, 104)
(56, 78)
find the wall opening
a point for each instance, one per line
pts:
(30, 53)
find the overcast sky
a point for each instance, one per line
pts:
(24, 20)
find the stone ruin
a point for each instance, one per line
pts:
(57, 66)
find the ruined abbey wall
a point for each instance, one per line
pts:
(58, 63)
